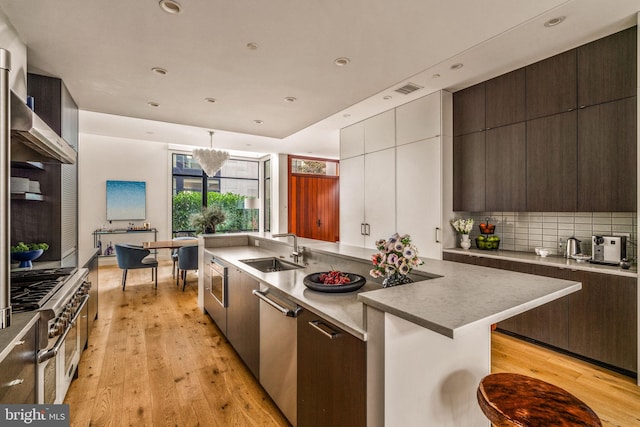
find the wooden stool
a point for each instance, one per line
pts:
(516, 400)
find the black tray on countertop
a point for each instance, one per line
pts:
(313, 282)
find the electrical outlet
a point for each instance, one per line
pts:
(257, 243)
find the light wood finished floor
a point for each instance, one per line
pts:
(155, 360)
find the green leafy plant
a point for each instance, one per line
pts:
(208, 218)
(188, 203)
(25, 247)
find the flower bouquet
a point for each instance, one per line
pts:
(462, 226)
(396, 259)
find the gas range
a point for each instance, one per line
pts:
(31, 289)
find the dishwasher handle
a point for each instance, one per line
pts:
(289, 312)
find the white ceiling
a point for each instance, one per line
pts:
(104, 52)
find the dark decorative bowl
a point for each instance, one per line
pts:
(26, 257)
(312, 281)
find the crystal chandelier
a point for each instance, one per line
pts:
(211, 160)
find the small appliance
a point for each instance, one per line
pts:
(608, 249)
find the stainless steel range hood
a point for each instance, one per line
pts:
(33, 140)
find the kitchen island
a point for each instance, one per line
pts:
(428, 343)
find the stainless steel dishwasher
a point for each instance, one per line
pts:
(278, 350)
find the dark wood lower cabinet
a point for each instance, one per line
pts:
(598, 322)
(331, 375)
(603, 319)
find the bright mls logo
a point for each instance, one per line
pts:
(34, 415)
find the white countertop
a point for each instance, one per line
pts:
(459, 296)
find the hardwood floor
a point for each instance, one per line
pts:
(155, 360)
(614, 397)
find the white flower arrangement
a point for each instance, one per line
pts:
(462, 226)
(397, 255)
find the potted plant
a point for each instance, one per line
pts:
(27, 252)
(396, 259)
(207, 219)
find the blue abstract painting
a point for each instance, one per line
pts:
(126, 200)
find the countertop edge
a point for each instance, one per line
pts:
(20, 324)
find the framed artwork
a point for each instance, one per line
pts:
(126, 200)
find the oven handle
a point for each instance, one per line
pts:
(53, 351)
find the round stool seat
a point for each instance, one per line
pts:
(517, 400)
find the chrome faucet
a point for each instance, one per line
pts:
(295, 254)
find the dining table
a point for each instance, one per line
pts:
(169, 244)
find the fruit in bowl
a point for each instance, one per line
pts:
(487, 242)
(27, 252)
(487, 228)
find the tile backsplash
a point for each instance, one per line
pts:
(523, 231)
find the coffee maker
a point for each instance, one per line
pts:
(608, 249)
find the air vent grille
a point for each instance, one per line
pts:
(408, 88)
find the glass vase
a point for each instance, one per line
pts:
(395, 279)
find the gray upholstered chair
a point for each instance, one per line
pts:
(131, 257)
(187, 260)
(174, 252)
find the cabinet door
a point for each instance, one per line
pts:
(469, 172)
(380, 132)
(379, 195)
(603, 319)
(607, 68)
(551, 85)
(419, 197)
(331, 375)
(419, 119)
(469, 110)
(506, 188)
(352, 140)
(243, 318)
(505, 99)
(607, 163)
(552, 169)
(352, 201)
(20, 364)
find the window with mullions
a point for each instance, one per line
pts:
(237, 180)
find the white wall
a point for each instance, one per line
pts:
(103, 158)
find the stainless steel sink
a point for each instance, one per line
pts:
(267, 265)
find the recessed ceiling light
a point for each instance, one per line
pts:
(388, 97)
(554, 21)
(290, 99)
(341, 62)
(252, 46)
(159, 71)
(153, 104)
(435, 76)
(347, 115)
(457, 66)
(258, 122)
(170, 6)
(210, 100)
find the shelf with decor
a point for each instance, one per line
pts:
(97, 234)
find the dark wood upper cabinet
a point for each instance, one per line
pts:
(469, 110)
(552, 169)
(505, 183)
(469, 172)
(552, 85)
(607, 68)
(607, 162)
(505, 99)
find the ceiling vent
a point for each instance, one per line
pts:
(408, 88)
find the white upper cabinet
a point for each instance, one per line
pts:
(379, 196)
(352, 217)
(352, 141)
(419, 119)
(380, 132)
